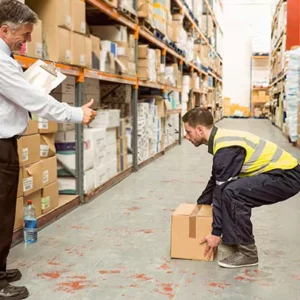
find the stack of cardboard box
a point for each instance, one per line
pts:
(145, 10)
(37, 177)
(146, 63)
(160, 15)
(64, 31)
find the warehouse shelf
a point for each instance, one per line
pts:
(157, 155)
(109, 77)
(277, 80)
(153, 85)
(112, 13)
(108, 184)
(194, 25)
(212, 15)
(256, 88)
(25, 62)
(260, 57)
(174, 111)
(278, 42)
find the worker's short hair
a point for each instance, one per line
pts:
(198, 116)
(15, 14)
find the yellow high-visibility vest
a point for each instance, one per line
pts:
(261, 155)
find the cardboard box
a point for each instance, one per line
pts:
(50, 197)
(78, 49)
(29, 149)
(20, 184)
(53, 12)
(95, 52)
(78, 16)
(32, 128)
(92, 86)
(57, 44)
(19, 213)
(35, 47)
(87, 98)
(47, 145)
(46, 126)
(190, 224)
(67, 98)
(36, 201)
(143, 51)
(88, 52)
(49, 170)
(66, 87)
(114, 33)
(66, 127)
(32, 178)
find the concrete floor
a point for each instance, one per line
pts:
(117, 247)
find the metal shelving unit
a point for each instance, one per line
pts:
(80, 73)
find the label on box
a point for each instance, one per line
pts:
(27, 184)
(83, 27)
(45, 203)
(45, 176)
(68, 21)
(25, 154)
(121, 51)
(68, 55)
(39, 49)
(43, 123)
(44, 150)
(82, 60)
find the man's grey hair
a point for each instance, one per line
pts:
(15, 14)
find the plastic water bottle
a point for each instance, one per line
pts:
(30, 224)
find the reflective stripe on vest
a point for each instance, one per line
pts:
(261, 155)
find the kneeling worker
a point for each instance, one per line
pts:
(247, 172)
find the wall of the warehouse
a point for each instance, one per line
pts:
(247, 29)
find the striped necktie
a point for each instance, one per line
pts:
(29, 113)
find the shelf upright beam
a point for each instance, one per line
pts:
(135, 103)
(79, 140)
(180, 101)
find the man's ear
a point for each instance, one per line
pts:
(199, 129)
(4, 30)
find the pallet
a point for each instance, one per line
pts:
(146, 25)
(159, 35)
(130, 14)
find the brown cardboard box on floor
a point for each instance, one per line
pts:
(32, 128)
(32, 178)
(36, 201)
(46, 126)
(19, 213)
(47, 145)
(57, 44)
(20, 184)
(50, 196)
(29, 149)
(49, 170)
(78, 16)
(190, 224)
(53, 12)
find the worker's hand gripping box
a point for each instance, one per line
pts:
(190, 225)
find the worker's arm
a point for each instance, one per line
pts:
(227, 165)
(207, 195)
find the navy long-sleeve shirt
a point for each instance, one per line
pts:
(227, 163)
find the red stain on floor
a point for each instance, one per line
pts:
(194, 274)
(142, 277)
(239, 278)
(165, 289)
(53, 263)
(219, 285)
(110, 272)
(165, 267)
(173, 181)
(169, 272)
(74, 286)
(50, 275)
(255, 276)
(77, 277)
(133, 286)
(134, 208)
(146, 231)
(296, 277)
(79, 227)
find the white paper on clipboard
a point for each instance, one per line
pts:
(42, 79)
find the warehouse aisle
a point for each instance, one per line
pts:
(117, 247)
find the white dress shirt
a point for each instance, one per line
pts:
(17, 97)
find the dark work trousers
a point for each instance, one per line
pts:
(240, 196)
(9, 176)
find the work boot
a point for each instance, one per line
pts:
(13, 275)
(14, 292)
(225, 250)
(245, 256)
